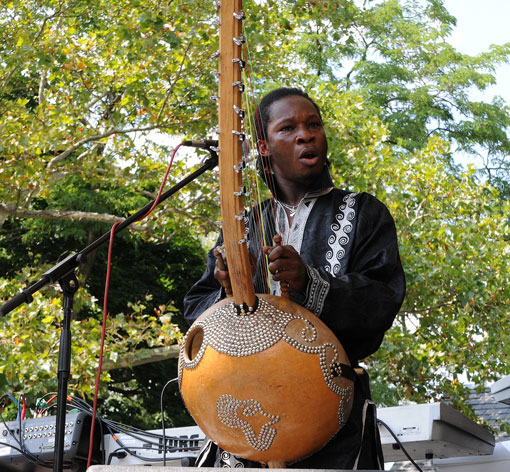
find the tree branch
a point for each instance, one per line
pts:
(72, 215)
(36, 38)
(428, 309)
(172, 85)
(97, 137)
(143, 356)
(42, 87)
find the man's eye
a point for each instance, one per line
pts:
(286, 128)
(315, 125)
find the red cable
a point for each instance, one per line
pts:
(105, 305)
(24, 409)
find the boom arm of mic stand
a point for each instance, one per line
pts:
(66, 266)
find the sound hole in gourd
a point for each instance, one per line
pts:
(193, 343)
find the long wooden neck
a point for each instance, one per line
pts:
(230, 153)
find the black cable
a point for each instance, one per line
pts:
(17, 449)
(48, 394)
(129, 450)
(142, 435)
(101, 430)
(47, 407)
(113, 427)
(27, 454)
(118, 455)
(163, 418)
(74, 402)
(400, 444)
(80, 404)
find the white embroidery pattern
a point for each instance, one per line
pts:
(340, 237)
(316, 291)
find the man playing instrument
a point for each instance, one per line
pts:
(339, 257)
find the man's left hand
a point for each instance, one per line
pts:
(286, 264)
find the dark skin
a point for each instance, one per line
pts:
(296, 146)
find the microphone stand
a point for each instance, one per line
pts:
(64, 274)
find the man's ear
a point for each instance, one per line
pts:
(263, 148)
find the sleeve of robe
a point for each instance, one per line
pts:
(360, 304)
(204, 293)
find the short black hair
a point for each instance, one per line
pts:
(262, 112)
(262, 119)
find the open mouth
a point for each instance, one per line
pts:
(309, 157)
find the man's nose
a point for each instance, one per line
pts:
(304, 134)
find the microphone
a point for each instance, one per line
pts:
(204, 144)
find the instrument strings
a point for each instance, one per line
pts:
(262, 221)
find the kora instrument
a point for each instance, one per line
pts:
(263, 378)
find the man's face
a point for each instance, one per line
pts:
(295, 143)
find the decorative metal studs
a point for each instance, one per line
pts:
(242, 216)
(244, 240)
(229, 408)
(240, 167)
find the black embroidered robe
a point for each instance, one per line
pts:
(356, 286)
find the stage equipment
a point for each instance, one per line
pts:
(501, 390)
(433, 430)
(146, 448)
(25, 445)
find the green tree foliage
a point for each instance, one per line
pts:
(81, 81)
(91, 95)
